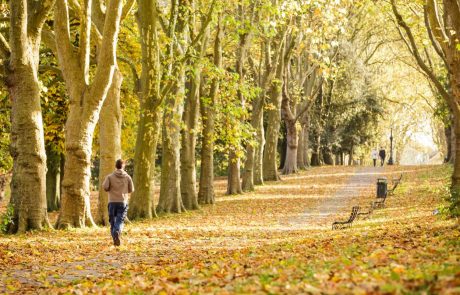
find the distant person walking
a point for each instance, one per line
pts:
(382, 155)
(119, 185)
(374, 156)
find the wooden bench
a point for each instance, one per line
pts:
(395, 182)
(349, 222)
(369, 212)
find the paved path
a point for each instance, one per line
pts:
(361, 183)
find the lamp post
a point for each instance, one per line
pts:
(390, 161)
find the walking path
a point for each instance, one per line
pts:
(280, 233)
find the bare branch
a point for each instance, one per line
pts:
(205, 25)
(49, 39)
(85, 39)
(127, 9)
(434, 42)
(38, 11)
(454, 105)
(5, 50)
(68, 59)
(132, 66)
(48, 68)
(435, 25)
(106, 62)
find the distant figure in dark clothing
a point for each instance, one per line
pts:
(382, 155)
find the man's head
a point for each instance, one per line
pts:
(120, 164)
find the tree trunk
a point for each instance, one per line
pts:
(28, 184)
(447, 134)
(273, 128)
(75, 202)
(86, 100)
(453, 141)
(350, 158)
(190, 118)
(270, 164)
(170, 192)
(259, 152)
(53, 179)
(206, 191)
(455, 188)
(187, 155)
(290, 163)
(234, 161)
(109, 142)
(315, 155)
(302, 152)
(327, 156)
(141, 204)
(338, 159)
(253, 151)
(233, 179)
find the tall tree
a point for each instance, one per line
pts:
(109, 120)
(109, 141)
(28, 192)
(170, 200)
(206, 193)
(199, 30)
(443, 27)
(141, 202)
(246, 15)
(86, 99)
(270, 163)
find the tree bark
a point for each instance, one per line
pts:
(273, 123)
(53, 179)
(85, 104)
(170, 192)
(206, 192)
(290, 163)
(141, 203)
(327, 156)
(315, 154)
(302, 152)
(253, 162)
(190, 118)
(452, 141)
(234, 161)
(259, 152)
(28, 184)
(109, 142)
(350, 156)
(187, 155)
(170, 200)
(148, 88)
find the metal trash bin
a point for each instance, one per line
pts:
(382, 187)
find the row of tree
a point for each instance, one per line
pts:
(430, 31)
(260, 82)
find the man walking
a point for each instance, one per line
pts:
(119, 185)
(374, 156)
(382, 155)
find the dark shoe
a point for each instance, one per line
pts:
(116, 239)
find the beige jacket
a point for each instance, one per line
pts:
(119, 185)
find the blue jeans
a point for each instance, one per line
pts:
(117, 215)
